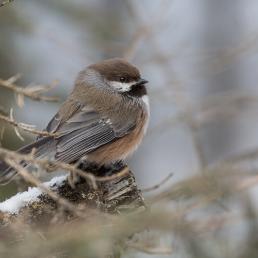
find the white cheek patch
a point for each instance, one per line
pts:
(122, 86)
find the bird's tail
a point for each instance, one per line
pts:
(42, 148)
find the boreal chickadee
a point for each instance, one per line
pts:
(103, 120)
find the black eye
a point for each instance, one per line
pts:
(122, 79)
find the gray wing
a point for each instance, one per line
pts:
(85, 131)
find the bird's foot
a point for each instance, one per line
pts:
(102, 170)
(114, 167)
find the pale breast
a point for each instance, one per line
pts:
(124, 146)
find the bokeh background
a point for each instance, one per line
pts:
(200, 58)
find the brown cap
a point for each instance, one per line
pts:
(116, 68)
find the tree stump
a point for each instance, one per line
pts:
(114, 196)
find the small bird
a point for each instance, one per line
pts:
(102, 121)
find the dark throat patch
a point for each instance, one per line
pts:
(137, 91)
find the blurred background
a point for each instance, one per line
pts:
(200, 58)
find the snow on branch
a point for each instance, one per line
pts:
(21, 200)
(43, 202)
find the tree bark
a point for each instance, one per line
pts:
(114, 196)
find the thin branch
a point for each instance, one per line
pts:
(151, 250)
(154, 187)
(5, 3)
(33, 92)
(45, 163)
(33, 180)
(25, 127)
(3, 110)
(144, 30)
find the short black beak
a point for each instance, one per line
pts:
(140, 82)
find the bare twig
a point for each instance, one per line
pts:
(33, 180)
(2, 134)
(154, 187)
(144, 30)
(151, 250)
(3, 110)
(25, 127)
(216, 107)
(33, 92)
(5, 2)
(45, 163)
